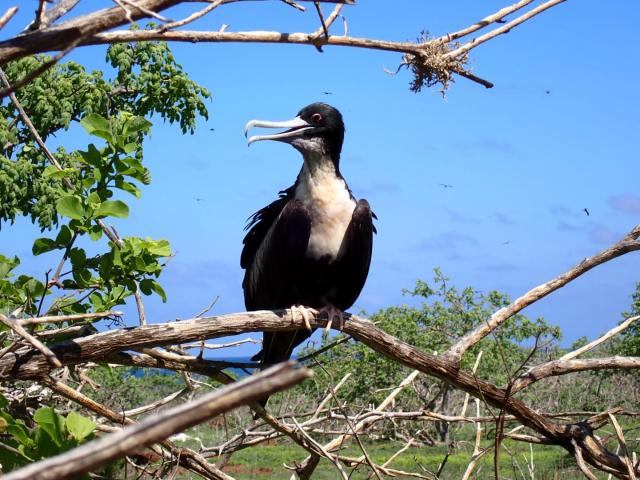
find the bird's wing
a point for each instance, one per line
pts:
(274, 268)
(275, 260)
(354, 257)
(259, 224)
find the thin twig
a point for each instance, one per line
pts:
(502, 29)
(158, 427)
(193, 17)
(590, 346)
(14, 325)
(69, 318)
(8, 15)
(623, 445)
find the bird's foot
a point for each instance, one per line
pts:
(306, 313)
(332, 312)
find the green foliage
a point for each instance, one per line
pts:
(124, 388)
(22, 291)
(629, 343)
(50, 435)
(444, 316)
(147, 81)
(89, 185)
(98, 172)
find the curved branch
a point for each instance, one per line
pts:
(160, 426)
(31, 364)
(629, 243)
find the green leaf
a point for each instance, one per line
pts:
(78, 257)
(137, 124)
(42, 245)
(52, 423)
(78, 426)
(93, 122)
(92, 156)
(95, 232)
(159, 248)
(53, 172)
(70, 206)
(128, 187)
(113, 208)
(64, 237)
(159, 290)
(93, 200)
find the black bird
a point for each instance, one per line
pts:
(310, 249)
(586, 211)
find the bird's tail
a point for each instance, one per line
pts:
(277, 347)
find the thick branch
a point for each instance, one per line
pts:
(28, 363)
(158, 427)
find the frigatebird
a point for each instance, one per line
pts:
(310, 249)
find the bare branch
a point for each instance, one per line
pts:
(68, 318)
(590, 346)
(628, 243)
(158, 427)
(506, 28)
(623, 446)
(8, 15)
(14, 325)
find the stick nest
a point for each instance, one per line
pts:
(429, 66)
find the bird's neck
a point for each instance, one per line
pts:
(319, 170)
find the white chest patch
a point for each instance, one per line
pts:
(331, 207)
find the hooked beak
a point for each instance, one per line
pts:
(297, 126)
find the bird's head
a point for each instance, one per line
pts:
(317, 131)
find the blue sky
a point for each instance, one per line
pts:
(558, 133)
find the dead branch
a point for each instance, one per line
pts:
(8, 15)
(628, 243)
(99, 452)
(591, 345)
(433, 61)
(68, 318)
(15, 325)
(26, 363)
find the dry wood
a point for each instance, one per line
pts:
(94, 27)
(99, 452)
(68, 318)
(591, 345)
(507, 27)
(25, 364)
(560, 367)
(185, 457)
(628, 243)
(8, 15)
(623, 446)
(306, 470)
(14, 325)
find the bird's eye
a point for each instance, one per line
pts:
(316, 118)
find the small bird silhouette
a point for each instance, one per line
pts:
(586, 211)
(445, 185)
(327, 93)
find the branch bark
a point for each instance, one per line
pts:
(30, 364)
(99, 452)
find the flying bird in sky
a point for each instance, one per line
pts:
(310, 249)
